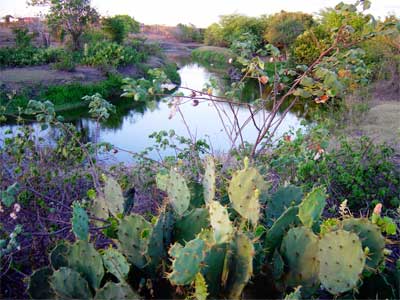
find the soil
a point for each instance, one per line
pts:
(15, 79)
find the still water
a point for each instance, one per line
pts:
(131, 126)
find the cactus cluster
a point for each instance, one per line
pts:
(210, 250)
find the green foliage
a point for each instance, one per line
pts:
(66, 63)
(212, 55)
(190, 225)
(39, 285)
(284, 27)
(22, 37)
(116, 291)
(29, 56)
(188, 33)
(69, 284)
(99, 109)
(111, 54)
(8, 195)
(119, 26)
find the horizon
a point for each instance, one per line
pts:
(200, 14)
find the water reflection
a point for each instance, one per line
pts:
(133, 122)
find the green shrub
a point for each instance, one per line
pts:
(66, 63)
(23, 39)
(30, 56)
(108, 54)
(214, 55)
(118, 27)
(188, 33)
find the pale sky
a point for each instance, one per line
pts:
(200, 12)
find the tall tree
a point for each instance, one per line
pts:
(74, 16)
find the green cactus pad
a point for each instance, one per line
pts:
(275, 234)
(80, 222)
(341, 260)
(240, 265)
(213, 267)
(219, 219)
(209, 179)
(69, 284)
(187, 262)
(84, 259)
(281, 200)
(58, 257)
(312, 206)
(156, 249)
(133, 235)
(244, 191)
(99, 209)
(115, 263)
(162, 180)
(116, 291)
(114, 197)
(178, 192)
(189, 226)
(39, 284)
(278, 265)
(370, 236)
(295, 295)
(299, 249)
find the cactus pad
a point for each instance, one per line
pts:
(113, 196)
(80, 222)
(39, 284)
(84, 259)
(189, 226)
(244, 192)
(312, 206)
(115, 263)
(58, 257)
(214, 265)
(299, 249)
(284, 198)
(69, 284)
(178, 192)
(240, 265)
(156, 250)
(133, 235)
(341, 260)
(370, 236)
(219, 219)
(116, 291)
(275, 234)
(187, 262)
(209, 180)
(200, 287)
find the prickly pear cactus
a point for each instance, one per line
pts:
(133, 235)
(116, 263)
(275, 234)
(39, 284)
(59, 255)
(83, 258)
(209, 179)
(219, 219)
(213, 267)
(187, 262)
(278, 265)
(295, 295)
(69, 284)
(341, 260)
(240, 265)
(113, 196)
(200, 287)
(80, 222)
(156, 250)
(178, 192)
(281, 200)
(312, 206)
(187, 227)
(299, 249)
(370, 236)
(162, 180)
(244, 192)
(99, 208)
(116, 291)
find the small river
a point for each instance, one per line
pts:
(131, 126)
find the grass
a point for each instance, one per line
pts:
(212, 55)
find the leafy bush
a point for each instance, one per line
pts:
(66, 63)
(215, 55)
(23, 38)
(31, 56)
(107, 54)
(188, 33)
(359, 171)
(118, 27)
